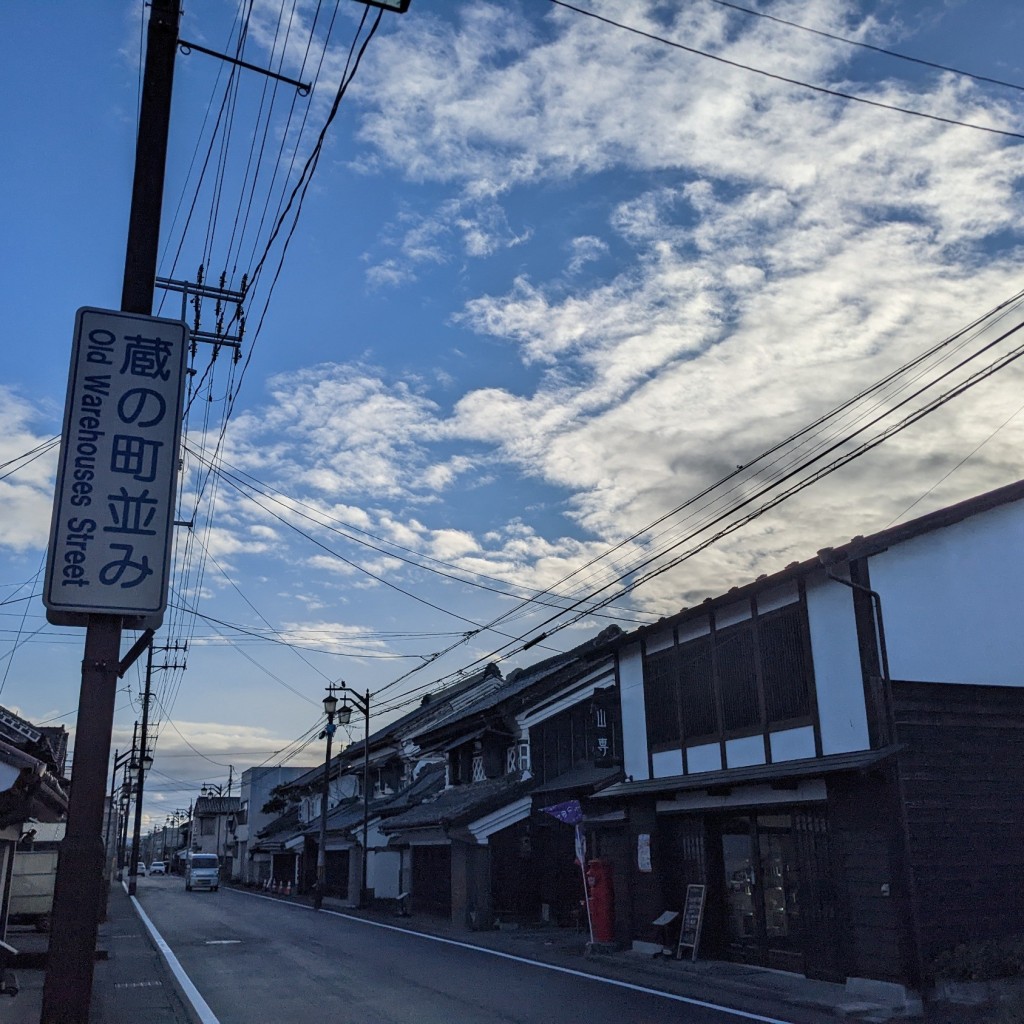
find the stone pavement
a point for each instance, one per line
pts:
(132, 981)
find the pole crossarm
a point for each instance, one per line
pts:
(186, 48)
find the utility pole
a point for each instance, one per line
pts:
(127, 785)
(146, 759)
(133, 870)
(78, 888)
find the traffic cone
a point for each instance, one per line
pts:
(288, 888)
(274, 889)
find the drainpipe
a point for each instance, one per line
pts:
(827, 558)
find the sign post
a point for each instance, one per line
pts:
(107, 565)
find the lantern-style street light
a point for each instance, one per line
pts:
(330, 710)
(350, 699)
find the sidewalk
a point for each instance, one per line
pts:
(131, 980)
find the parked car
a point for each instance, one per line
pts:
(158, 867)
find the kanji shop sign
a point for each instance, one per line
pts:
(113, 510)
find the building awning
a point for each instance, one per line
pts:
(588, 778)
(810, 767)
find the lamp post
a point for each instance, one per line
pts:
(128, 759)
(214, 789)
(330, 709)
(145, 763)
(344, 717)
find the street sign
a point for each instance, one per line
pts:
(113, 508)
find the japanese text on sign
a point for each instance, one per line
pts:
(116, 480)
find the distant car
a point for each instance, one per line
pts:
(158, 867)
(202, 871)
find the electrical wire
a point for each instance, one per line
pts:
(868, 46)
(782, 78)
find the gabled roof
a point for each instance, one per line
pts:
(27, 789)
(287, 822)
(858, 547)
(521, 685)
(349, 813)
(46, 743)
(459, 805)
(213, 805)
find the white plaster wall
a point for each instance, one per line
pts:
(837, 673)
(951, 601)
(634, 721)
(704, 758)
(792, 744)
(384, 873)
(667, 763)
(745, 751)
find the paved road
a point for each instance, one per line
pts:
(260, 961)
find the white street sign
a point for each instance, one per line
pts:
(113, 510)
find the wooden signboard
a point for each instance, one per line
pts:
(693, 919)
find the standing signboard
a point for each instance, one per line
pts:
(113, 509)
(693, 920)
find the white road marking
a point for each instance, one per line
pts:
(199, 1004)
(533, 963)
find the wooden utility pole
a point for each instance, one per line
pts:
(133, 870)
(67, 990)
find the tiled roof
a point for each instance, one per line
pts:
(459, 805)
(217, 805)
(555, 671)
(858, 547)
(287, 822)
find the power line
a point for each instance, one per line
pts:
(782, 78)
(869, 46)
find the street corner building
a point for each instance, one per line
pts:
(835, 753)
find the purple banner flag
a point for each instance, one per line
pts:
(570, 812)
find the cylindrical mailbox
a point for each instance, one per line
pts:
(601, 894)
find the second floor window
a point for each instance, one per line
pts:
(739, 680)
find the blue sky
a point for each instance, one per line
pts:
(550, 279)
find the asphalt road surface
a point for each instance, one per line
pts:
(262, 961)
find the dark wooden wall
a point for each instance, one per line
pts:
(962, 769)
(873, 908)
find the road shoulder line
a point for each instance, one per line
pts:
(191, 993)
(617, 983)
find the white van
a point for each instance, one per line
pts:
(202, 871)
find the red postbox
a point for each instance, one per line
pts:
(601, 894)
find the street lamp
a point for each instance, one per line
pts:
(127, 759)
(145, 763)
(330, 709)
(344, 717)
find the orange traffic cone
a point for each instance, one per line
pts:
(288, 888)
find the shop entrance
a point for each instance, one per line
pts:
(763, 882)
